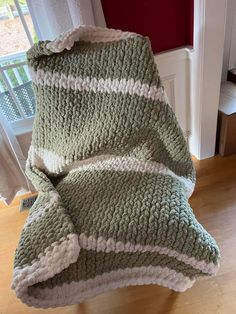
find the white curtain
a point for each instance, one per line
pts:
(12, 164)
(52, 17)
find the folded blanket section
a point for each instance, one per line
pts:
(113, 172)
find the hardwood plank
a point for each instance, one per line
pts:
(214, 204)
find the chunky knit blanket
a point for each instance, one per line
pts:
(113, 173)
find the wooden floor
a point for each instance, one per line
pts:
(214, 203)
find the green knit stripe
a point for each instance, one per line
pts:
(158, 205)
(146, 209)
(37, 237)
(129, 58)
(136, 127)
(91, 264)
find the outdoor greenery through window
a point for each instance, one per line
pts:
(16, 36)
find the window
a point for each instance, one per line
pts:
(17, 34)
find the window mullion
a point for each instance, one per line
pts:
(2, 90)
(17, 76)
(27, 72)
(8, 79)
(17, 103)
(30, 39)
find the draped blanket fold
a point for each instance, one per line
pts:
(113, 173)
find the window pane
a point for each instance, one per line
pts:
(12, 35)
(25, 96)
(8, 107)
(16, 94)
(21, 87)
(28, 20)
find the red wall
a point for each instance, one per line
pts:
(168, 23)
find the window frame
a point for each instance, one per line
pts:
(24, 124)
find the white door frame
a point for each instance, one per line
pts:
(206, 67)
(229, 59)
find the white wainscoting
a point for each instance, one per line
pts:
(174, 69)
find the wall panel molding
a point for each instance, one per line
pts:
(174, 68)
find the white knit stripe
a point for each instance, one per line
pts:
(46, 160)
(55, 258)
(110, 245)
(123, 86)
(87, 33)
(77, 292)
(127, 164)
(54, 164)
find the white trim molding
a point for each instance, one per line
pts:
(229, 60)
(22, 126)
(206, 66)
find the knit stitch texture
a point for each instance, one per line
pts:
(113, 173)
